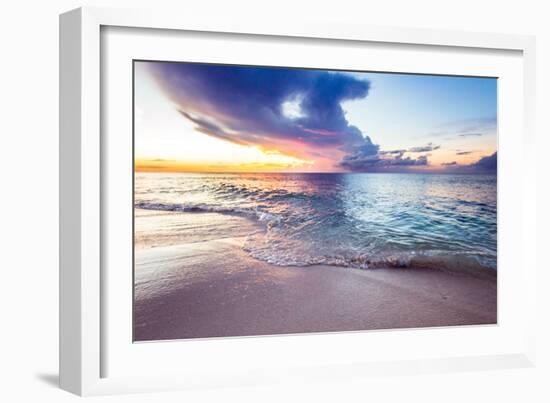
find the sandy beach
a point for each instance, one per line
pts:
(201, 284)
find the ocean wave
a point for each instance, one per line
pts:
(286, 245)
(353, 221)
(253, 213)
(440, 260)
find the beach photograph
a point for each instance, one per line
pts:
(281, 200)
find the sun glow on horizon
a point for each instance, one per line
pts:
(226, 156)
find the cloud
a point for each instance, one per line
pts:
(475, 134)
(393, 152)
(210, 129)
(361, 157)
(250, 105)
(368, 158)
(488, 163)
(482, 125)
(400, 152)
(422, 160)
(295, 111)
(464, 152)
(429, 147)
(468, 127)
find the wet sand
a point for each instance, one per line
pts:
(193, 280)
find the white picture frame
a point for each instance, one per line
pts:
(84, 343)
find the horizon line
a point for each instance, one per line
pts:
(325, 172)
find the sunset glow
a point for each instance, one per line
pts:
(207, 118)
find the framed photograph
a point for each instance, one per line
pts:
(245, 203)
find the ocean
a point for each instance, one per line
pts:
(356, 220)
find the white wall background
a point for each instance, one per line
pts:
(29, 202)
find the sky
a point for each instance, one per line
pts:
(191, 117)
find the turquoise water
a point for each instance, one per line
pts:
(351, 220)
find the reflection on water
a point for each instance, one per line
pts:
(359, 220)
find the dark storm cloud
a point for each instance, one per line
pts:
(244, 104)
